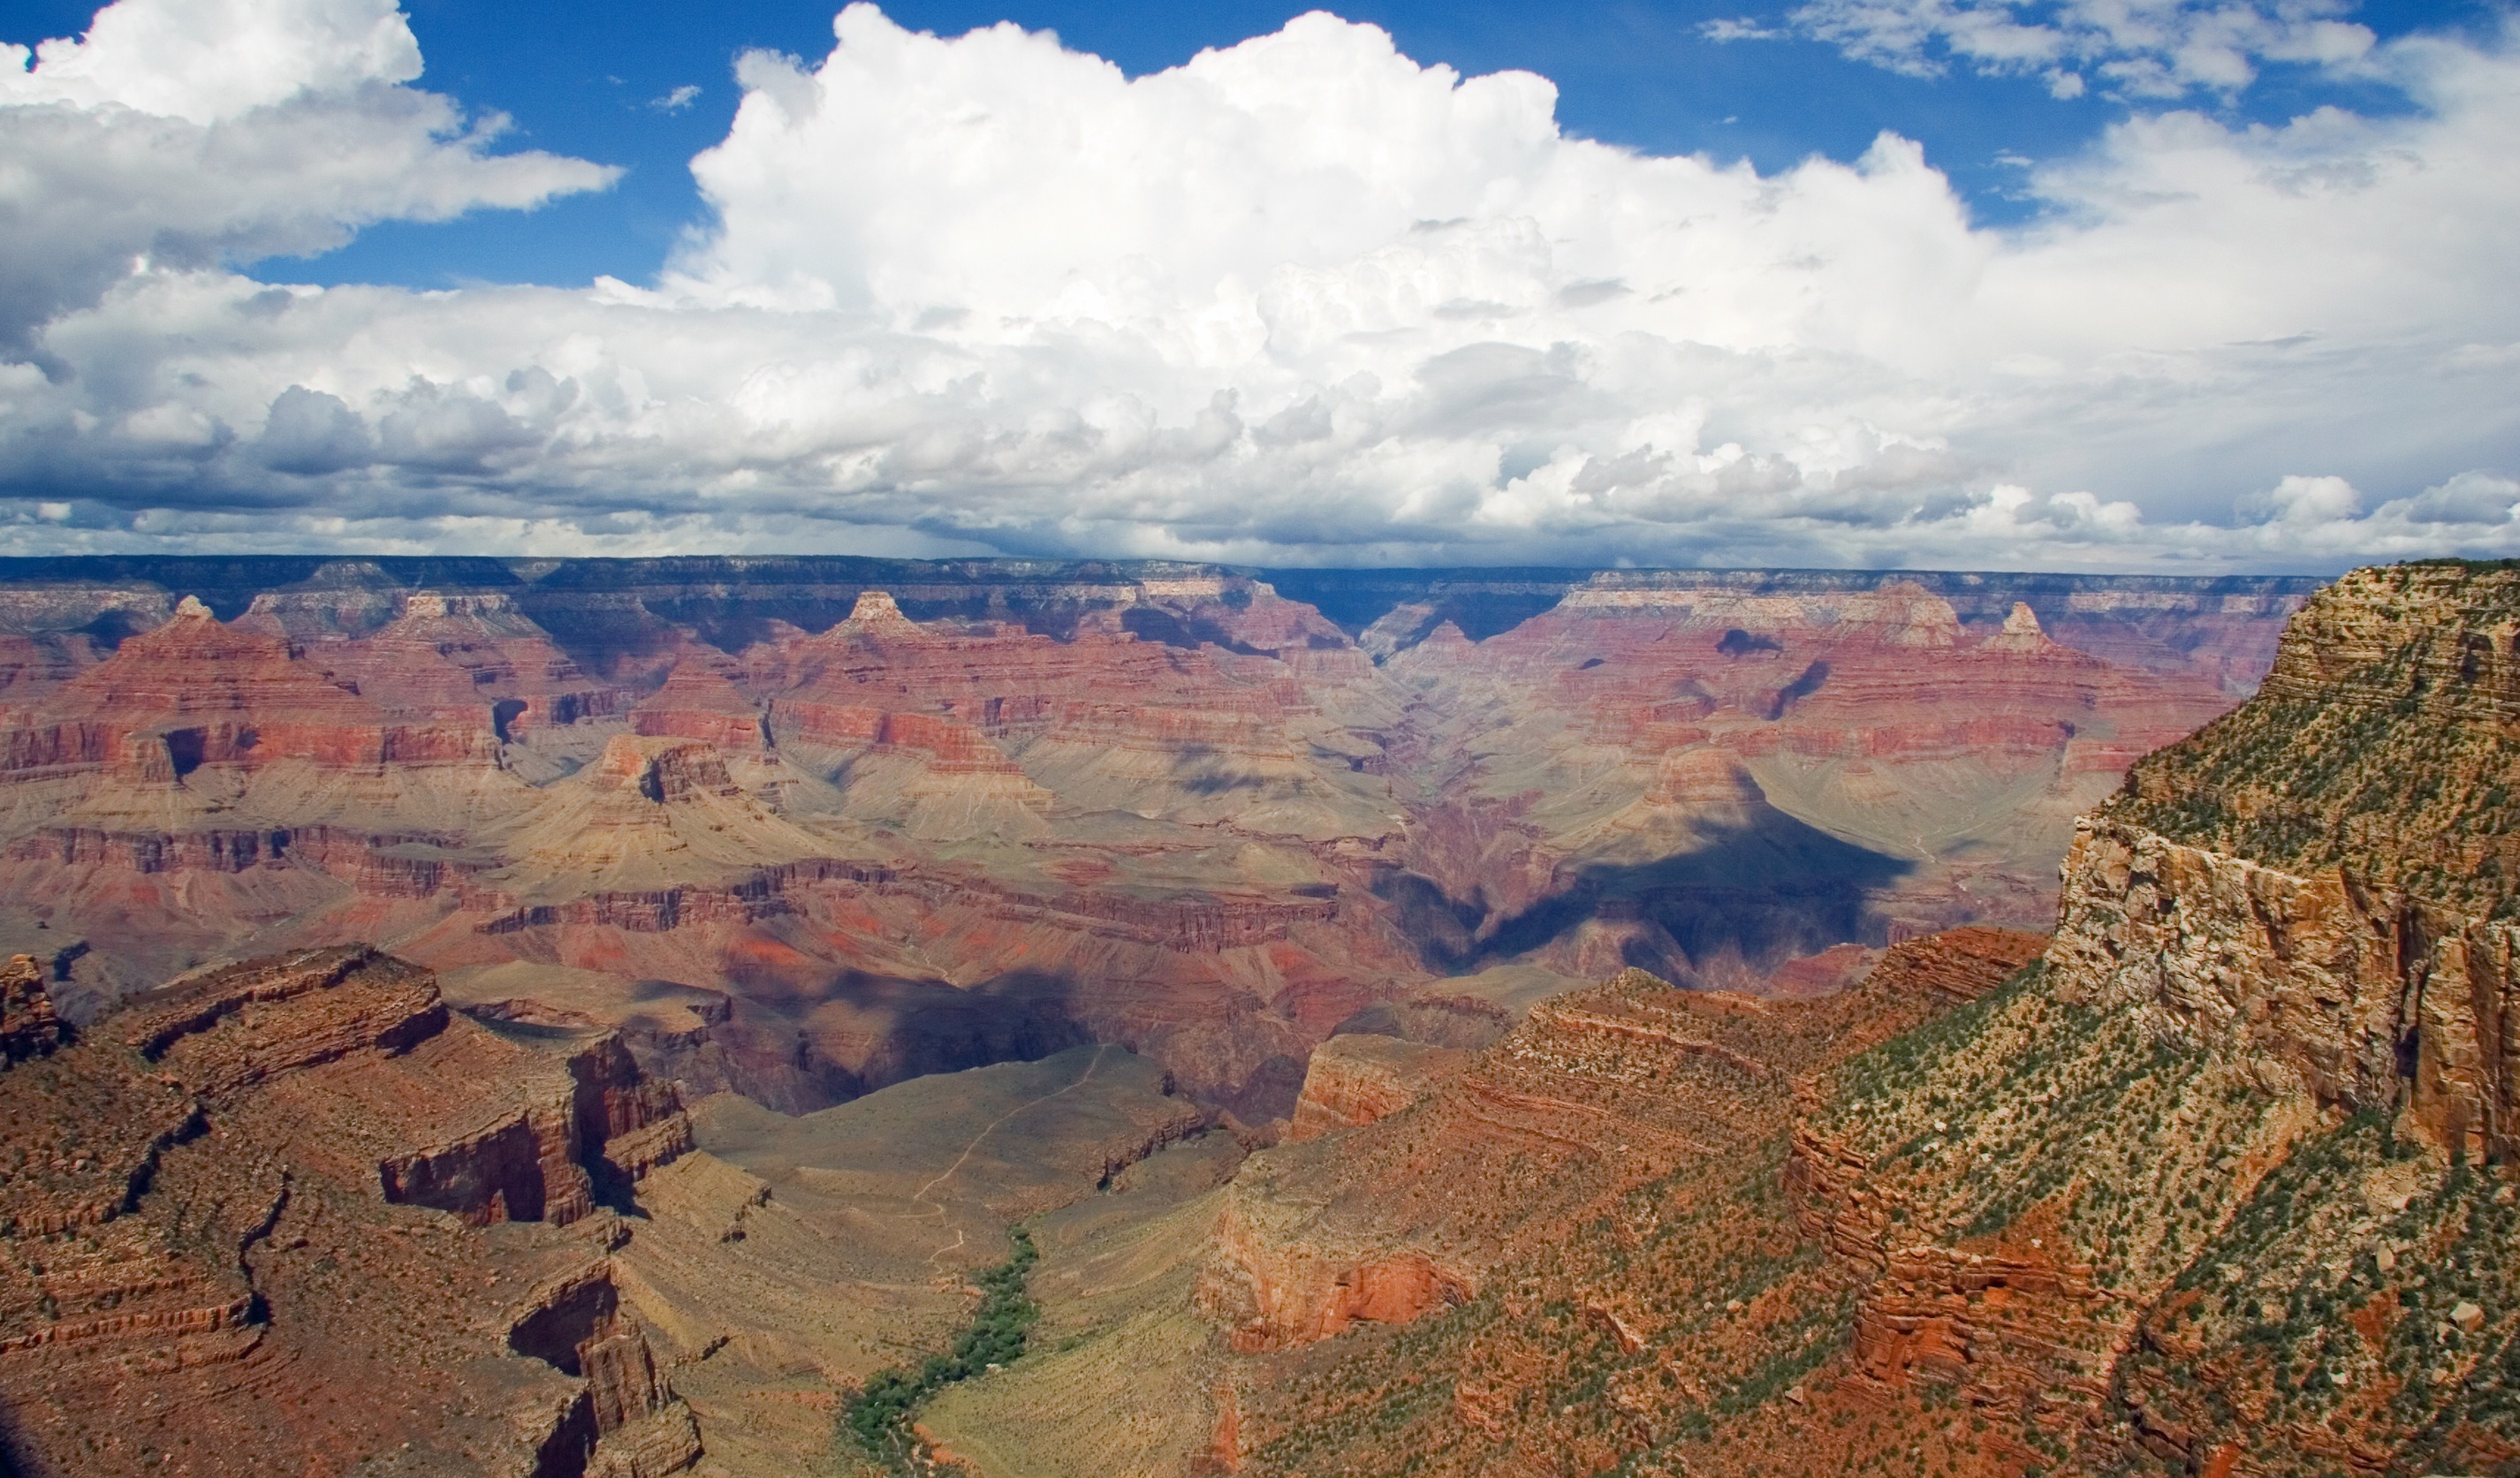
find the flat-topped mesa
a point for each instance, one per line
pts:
(665, 771)
(2323, 878)
(218, 694)
(1900, 614)
(230, 1028)
(877, 617)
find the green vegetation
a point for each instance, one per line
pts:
(877, 1417)
(2401, 768)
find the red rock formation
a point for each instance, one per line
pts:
(699, 702)
(1956, 965)
(198, 1260)
(214, 694)
(1279, 1293)
(34, 665)
(451, 656)
(1354, 1080)
(28, 1025)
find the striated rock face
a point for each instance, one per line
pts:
(910, 816)
(2359, 993)
(217, 695)
(1354, 1080)
(1957, 966)
(2271, 1042)
(1596, 1095)
(2379, 743)
(29, 1027)
(699, 702)
(471, 658)
(209, 1242)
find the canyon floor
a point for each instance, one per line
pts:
(1505, 1023)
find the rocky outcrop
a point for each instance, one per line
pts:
(701, 702)
(216, 694)
(568, 1140)
(1957, 966)
(1366, 1214)
(29, 1027)
(196, 1249)
(1353, 1080)
(627, 1422)
(1273, 1291)
(471, 657)
(2360, 993)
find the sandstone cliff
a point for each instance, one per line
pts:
(2224, 1187)
(238, 1219)
(908, 816)
(2219, 1184)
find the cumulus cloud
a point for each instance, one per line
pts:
(1303, 299)
(194, 132)
(2138, 48)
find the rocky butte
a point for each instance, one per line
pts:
(862, 820)
(591, 1017)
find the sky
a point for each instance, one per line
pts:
(2187, 286)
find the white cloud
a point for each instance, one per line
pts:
(677, 100)
(191, 132)
(1740, 28)
(1303, 299)
(2139, 48)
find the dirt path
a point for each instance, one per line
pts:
(920, 1197)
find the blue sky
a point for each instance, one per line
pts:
(584, 80)
(2173, 285)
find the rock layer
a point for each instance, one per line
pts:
(1159, 805)
(211, 1247)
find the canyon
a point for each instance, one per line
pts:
(804, 827)
(2215, 1180)
(590, 1016)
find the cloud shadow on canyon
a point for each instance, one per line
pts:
(796, 1046)
(1766, 891)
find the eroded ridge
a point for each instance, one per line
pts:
(247, 1227)
(922, 816)
(2221, 1183)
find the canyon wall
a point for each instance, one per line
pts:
(902, 817)
(2216, 1180)
(246, 1213)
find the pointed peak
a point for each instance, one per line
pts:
(191, 608)
(2021, 632)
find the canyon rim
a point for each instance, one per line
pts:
(1020, 738)
(601, 1016)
